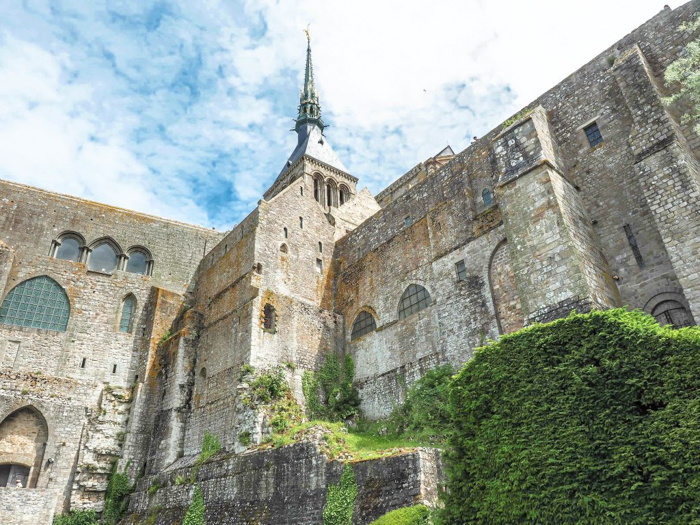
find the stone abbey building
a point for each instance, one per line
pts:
(122, 335)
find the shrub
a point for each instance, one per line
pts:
(117, 496)
(196, 510)
(416, 515)
(684, 73)
(341, 499)
(330, 394)
(592, 419)
(77, 517)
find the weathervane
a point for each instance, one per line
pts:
(308, 36)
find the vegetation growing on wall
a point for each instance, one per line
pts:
(196, 510)
(341, 499)
(210, 446)
(117, 496)
(329, 393)
(684, 74)
(590, 419)
(416, 515)
(77, 517)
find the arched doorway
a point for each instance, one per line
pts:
(23, 436)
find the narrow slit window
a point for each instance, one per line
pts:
(269, 317)
(320, 247)
(301, 222)
(114, 369)
(83, 362)
(461, 269)
(286, 233)
(593, 134)
(126, 319)
(634, 246)
(319, 265)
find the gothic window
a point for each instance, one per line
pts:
(126, 320)
(413, 300)
(139, 262)
(486, 197)
(461, 269)
(36, 303)
(364, 324)
(344, 194)
(317, 191)
(269, 317)
(103, 258)
(68, 248)
(331, 193)
(593, 134)
(283, 248)
(672, 313)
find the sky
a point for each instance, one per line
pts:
(184, 109)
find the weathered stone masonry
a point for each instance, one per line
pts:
(528, 223)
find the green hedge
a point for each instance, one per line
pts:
(416, 515)
(593, 419)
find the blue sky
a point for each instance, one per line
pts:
(183, 109)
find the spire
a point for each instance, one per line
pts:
(309, 106)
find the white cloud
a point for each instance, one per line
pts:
(183, 109)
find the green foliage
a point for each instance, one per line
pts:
(592, 419)
(153, 488)
(246, 370)
(512, 120)
(167, 335)
(684, 74)
(268, 387)
(180, 480)
(425, 413)
(244, 438)
(341, 499)
(196, 510)
(77, 517)
(117, 496)
(210, 446)
(329, 393)
(416, 515)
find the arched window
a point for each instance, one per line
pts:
(486, 196)
(23, 437)
(342, 195)
(68, 247)
(140, 261)
(331, 193)
(126, 321)
(413, 300)
(317, 190)
(283, 248)
(672, 313)
(269, 317)
(364, 324)
(103, 258)
(37, 303)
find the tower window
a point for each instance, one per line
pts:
(461, 269)
(83, 362)
(320, 247)
(269, 317)
(286, 233)
(593, 134)
(301, 190)
(317, 193)
(319, 265)
(301, 222)
(487, 197)
(329, 195)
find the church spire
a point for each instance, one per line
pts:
(309, 106)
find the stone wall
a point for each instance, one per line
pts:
(27, 506)
(285, 486)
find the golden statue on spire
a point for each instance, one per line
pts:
(308, 35)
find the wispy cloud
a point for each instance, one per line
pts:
(183, 109)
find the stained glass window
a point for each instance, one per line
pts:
(128, 307)
(364, 324)
(413, 300)
(37, 303)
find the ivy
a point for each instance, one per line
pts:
(117, 496)
(196, 510)
(416, 515)
(77, 517)
(591, 419)
(341, 499)
(684, 73)
(210, 446)
(329, 393)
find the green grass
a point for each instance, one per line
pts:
(340, 442)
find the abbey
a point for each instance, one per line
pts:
(125, 337)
